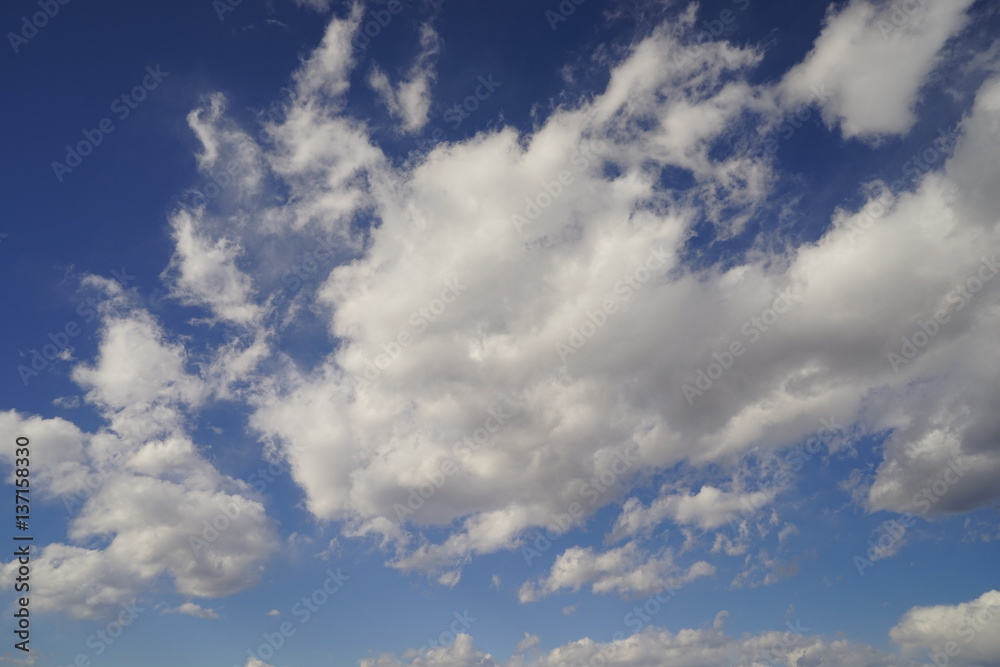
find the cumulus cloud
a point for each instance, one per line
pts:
(961, 634)
(626, 570)
(62, 465)
(432, 327)
(513, 321)
(192, 609)
(137, 367)
(461, 653)
(709, 508)
(203, 272)
(146, 512)
(529, 641)
(145, 501)
(685, 648)
(507, 355)
(905, 39)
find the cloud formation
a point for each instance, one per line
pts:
(509, 323)
(905, 39)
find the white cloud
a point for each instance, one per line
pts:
(461, 653)
(323, 75)
(494, 340)
(762, 569)
(229, 156)
(59, 467)
(685, 648)
(870, 62)
(192, 609)
(145, 514)
(147, 503)
(410, 99)
(136, 367)
(203, 272)
(887, 539)
(485, 298)
(319, 420)
(317, 5)
(962, 634)
(626, 570)
(529, 641)
(974, 165)
(709, 508)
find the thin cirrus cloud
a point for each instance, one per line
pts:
(410, 99)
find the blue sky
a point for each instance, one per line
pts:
(528, 333)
